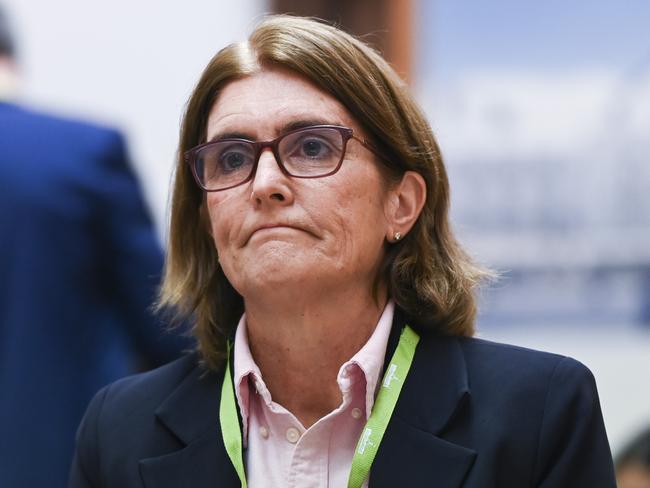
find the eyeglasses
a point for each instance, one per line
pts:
(311, 152)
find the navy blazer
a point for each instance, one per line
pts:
(79, 265)
(471, 413)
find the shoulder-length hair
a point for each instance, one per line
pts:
(427, 274)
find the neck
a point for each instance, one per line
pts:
(300, 349)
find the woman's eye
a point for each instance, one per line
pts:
(314, 148)
(232, 160)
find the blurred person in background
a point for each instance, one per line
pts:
(633, 463)
(310, 242)
(79, 268)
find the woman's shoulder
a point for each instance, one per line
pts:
(151, 386)
(129, 420)
(542, 403)
(524, 373)
(141, 395)
(515, 359)
(517, 373)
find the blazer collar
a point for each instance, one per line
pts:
(191, 414)
(434, 393)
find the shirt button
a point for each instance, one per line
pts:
(356, 413)
(264, 432)
(292, 435)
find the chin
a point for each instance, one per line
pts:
(280, 277)
(280, 264)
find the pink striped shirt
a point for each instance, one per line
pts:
(279, 451)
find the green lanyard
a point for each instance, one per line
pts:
(373, 432)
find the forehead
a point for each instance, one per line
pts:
(260, 105)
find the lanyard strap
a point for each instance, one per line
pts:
(373, 432)
(232, 436)
(382, 411)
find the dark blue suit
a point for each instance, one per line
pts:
(472, 413)
(79, 263)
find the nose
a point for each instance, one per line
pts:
(270, 185)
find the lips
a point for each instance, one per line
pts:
(275, 226)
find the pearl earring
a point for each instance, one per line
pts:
(397, 236)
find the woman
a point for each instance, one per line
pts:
(334, 310)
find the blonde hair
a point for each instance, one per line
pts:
(427, 274)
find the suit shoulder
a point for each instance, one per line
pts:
(121, 424)
(145, 391)
(519, 367)
(509, 352)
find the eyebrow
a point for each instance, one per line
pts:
(301, 124)
(294, 125)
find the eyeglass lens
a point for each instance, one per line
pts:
(307, 153)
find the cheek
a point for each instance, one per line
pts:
(360, 219)
(217, 221)
(221, 221)
(212, 217)
(367, 209)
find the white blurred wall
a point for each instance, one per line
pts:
(125, 63)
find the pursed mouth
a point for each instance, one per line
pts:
(276, 227)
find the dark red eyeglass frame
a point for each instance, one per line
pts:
(258, 147)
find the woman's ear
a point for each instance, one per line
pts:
(407, 199)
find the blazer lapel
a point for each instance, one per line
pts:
(191, 413)
(435, 390)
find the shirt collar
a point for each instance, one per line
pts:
(369, 359)
(244, 366)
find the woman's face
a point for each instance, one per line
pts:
(276, 233)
